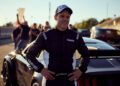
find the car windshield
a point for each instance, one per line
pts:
(100, 45)
(94, 44)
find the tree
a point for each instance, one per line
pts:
(92, 22)
(86, 24)
(9, 24)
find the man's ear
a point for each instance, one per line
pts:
(55, 17)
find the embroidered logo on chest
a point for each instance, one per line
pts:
(70, 40)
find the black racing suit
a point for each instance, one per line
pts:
(61, 46)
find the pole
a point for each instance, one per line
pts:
(49, 12)
(107, 6)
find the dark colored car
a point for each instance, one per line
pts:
(103, 69)
(111, 36)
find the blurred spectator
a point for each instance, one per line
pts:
(72, 27)
(47, 26)
(16, 36)
(24, 36)
(40, 27)
(34, 32)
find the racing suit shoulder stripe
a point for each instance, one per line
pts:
(77, 37)
(44, 35)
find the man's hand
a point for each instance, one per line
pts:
(75, 75)
(47, 74)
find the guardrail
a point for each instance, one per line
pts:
(5, 32)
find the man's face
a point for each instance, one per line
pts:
(63, 19)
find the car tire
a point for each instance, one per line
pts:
(35, 83)
(9, 74)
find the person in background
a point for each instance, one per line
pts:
(47, 26)
(40, 27)
(72, 27)
(34, 32)
(24, 36)
(16, 36)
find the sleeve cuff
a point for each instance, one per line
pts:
(83, 70)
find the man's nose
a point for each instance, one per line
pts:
(66, 18)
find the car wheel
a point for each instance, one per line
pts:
(8, 74)
(35, 83)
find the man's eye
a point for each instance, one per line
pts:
(62, 16)
(67, 17)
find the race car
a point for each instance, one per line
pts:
(103, 69)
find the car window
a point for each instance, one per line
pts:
(110, 32)
(100, 32)
(99, 46)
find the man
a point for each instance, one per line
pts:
(40, 27)
(24, 37)
(16, 36)
(33, 32)
(16, 33)
(61, 43)
(47, 26)
(72, 27)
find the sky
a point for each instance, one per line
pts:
(38, 10)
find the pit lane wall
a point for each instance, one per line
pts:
(5, 34)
